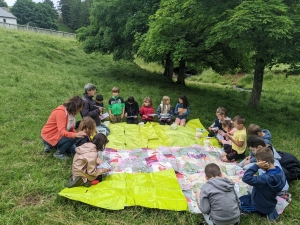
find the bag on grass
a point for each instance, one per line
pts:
(290, 165)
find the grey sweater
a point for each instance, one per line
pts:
(219, 199)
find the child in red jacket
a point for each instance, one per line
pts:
(147, 110)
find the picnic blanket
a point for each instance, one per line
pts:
(152, 135)
(188, 161)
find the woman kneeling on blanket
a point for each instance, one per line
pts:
(85, 162)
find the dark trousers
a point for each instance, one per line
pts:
(164, 121)
(132, 120)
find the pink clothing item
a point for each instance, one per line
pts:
(56, 126)
(228, 142)
(85, 162)
(146, 110)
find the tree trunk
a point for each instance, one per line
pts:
(168, 72)
(181, 74)
(257, 83)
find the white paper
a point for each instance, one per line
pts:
(105, 115)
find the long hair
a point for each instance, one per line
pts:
(148, 99)
(74, 105)
(88, 125)
(100, 140)
(185, 102)
(164, 104)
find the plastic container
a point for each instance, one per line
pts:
(174, 126)
(230, 170)
(141, 124)
(198, 134)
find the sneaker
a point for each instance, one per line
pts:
(47, 148)
(58, 155)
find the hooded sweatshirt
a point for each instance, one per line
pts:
(265, 187)
(59, 124)
(219, 199)
(267, 137)
(85, 162)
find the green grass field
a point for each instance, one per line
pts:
(40, 72)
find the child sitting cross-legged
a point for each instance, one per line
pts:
(238, 140)
(218, 200)
(147, 111)
(182, 110)
(254, 143)
(85, 162)
(266, 186)
(165, 111)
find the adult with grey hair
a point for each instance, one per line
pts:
(90, 108)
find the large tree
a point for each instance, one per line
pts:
(41, 15)
(114, 25)
(265, 28)
(3, 3)
(178, 31)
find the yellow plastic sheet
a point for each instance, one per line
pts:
(153, 190)
(152, 135)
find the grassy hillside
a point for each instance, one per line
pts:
(39, 72)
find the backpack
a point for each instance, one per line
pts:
(290, 165)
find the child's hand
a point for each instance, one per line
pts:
(112, 116)
(263, 165)
(221, 132)
(134, 116)
(168, 120)
(102, 171)
(126, 114)
(228, 137)
(122, 115)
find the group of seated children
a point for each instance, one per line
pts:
(263, 159)
(118, 109)
(219, 191)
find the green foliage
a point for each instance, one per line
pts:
(265, 28)
(113, 26)
(39, 72)
(3, 3)
(41, 15)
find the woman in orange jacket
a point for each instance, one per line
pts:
(59, 130)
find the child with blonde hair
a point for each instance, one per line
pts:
(165, 111)
(87, 125)
(221, 114)
(147, 111)
(182, 110)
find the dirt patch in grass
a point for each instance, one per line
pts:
(32, 200)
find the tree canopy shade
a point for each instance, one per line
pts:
(113, 25)
(178, 32)
(41, 15)
(266, 28)
(3, 3)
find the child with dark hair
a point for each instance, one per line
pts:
(182, 110)
(218, 200)
(85, 162)
(131, 110)
(266, 186)
(265, 134)
(229, 128)
(99, 103)
(238, 140)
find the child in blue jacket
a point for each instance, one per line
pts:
(182, 110)
(266, 186)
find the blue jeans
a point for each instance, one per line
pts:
(64, 145)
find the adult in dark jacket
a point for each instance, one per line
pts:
(90, 108)
(131, 110)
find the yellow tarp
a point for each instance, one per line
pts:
(152, 135)
(153, 190)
